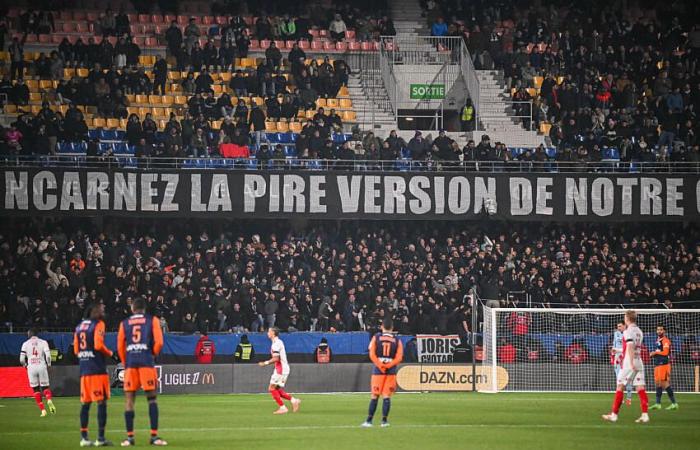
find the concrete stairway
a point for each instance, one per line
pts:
(371, 102)
(496, 114)
(407, 18)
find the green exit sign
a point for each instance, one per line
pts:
(427, 91)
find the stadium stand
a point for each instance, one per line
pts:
(419, 273)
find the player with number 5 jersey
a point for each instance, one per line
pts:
(139, 341)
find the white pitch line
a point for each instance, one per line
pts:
(346, 427)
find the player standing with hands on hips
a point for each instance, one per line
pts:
(386, 352)
(36, 357)
(632, 369)
(280, 374)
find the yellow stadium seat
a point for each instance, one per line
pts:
(167, 100)
(175, 87)
(112, 123)
(68, 73)
(321, 102)
(99, 122)
(180, 100)
(162, 123)
(142, 99)
(545, 128)
(33, 85)
(271, 127)
(295, 127)
(143, 111)
(225, 77)
(131, 98)
(34, 97)
(332, 102)
(132, 110)
(349, 116)
(282, 127)
(217, 88)
(82, 72)
(345, 103)
(154, 99)
(258, 101)
(537, 82)
(174, 76)
(10, 109)
(248, 62)
(122, 124)
(4, 56)
(343, 92)
(216, 124)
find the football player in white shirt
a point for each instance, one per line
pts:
(280, 374)
(36, 357)
(632, 369)
(616, 353)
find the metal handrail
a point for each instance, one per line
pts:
(128, 162)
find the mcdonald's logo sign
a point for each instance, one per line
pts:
(208, 378)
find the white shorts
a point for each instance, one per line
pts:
(635, 376)
(38, 376)
(279, 379)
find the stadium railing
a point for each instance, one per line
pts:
(401, 165)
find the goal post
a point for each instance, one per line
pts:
(568, 349)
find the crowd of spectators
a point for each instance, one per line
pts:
(618, 74)
(334, 277)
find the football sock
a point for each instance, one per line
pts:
(84, 417)
(129, 419)
(659, 393)
(101, 419)
(386, 406)
(153, 416)
(618, 401)
(671, 395)
(372, 409)
(37, 399)
(47, 394)
(284, 395)
(644, 400)
(276, 395)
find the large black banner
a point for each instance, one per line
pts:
(350, 195)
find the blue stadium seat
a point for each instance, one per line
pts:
(65, 147)
(551, 152)
(78, 147)
(120, 135)
(105, 147)
(123, 148)
(109, 135)
(93, 134)
(314, 164)
(406, 153)
(403, 165)
(611, 153)
(290, 151)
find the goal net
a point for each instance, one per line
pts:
(538, 349)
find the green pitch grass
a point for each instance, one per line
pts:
(418, 421)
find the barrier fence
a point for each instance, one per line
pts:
(357, 165)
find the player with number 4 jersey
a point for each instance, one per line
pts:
(36, 357)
